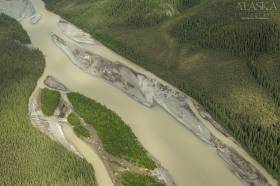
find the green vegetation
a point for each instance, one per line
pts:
(229, 65)
(78, 128)
(215, 27)
(12, 30)
(132, 179)
(28, 157)
(117, 138)
(241, 105)
(266, 70)
(49, 101)
(136, 13)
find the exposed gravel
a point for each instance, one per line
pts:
(150, 91)
(51, 82)
(18, 9)
(54, 129)
(52, 126)
(145, 90)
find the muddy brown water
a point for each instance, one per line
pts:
(189, 161)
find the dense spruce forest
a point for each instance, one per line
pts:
(230, 65)
(28, 157)
(214, 27)
(10, 30)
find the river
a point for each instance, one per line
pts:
(190, 161)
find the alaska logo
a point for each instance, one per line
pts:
(257, 9)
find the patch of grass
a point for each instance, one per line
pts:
(28, 157)
(78, 128)
(49, 101)
(133, 179)
(117, 138)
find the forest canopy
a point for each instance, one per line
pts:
(28, 157)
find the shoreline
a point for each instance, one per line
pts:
(155, 92)
(168, 84)
(56, 129)
(87, 147)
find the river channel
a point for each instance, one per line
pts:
(189, 161)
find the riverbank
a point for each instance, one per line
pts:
(115, 166)
(60, 131)
(176, 148)
(27, 156)
(184, 50)
(148, 92)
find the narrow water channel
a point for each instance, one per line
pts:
(189, 160)
(91, 156)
